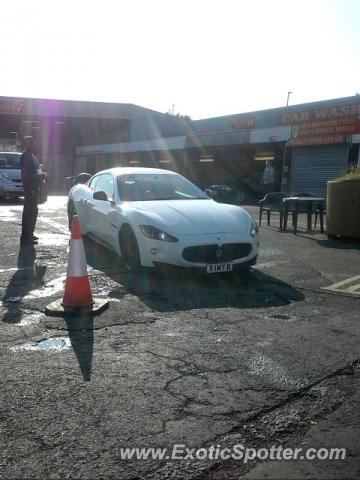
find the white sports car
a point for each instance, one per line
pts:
(152, 217)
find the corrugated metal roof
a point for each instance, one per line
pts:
(77, 108)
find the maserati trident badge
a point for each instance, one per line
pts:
(219, 253)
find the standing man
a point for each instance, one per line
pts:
(268, 177)
(31, 174)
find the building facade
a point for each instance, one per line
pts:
(308, 144)
(60, 127)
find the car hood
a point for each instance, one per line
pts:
(190, 217)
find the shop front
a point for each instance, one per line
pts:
(321, 146)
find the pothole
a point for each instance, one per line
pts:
(55, 344)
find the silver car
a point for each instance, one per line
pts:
(10, 175)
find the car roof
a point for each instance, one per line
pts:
(118, 171)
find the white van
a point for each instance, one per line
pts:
(10, 175)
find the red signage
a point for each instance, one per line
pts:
(323, 125)
(327, 113)
(323, 139)
(11, 106)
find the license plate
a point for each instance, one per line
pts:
(218, 267)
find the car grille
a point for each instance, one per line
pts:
(16, 181)
(216, 253)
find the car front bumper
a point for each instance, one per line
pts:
(155, 252)
(11, 189)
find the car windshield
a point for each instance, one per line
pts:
(148, 187)
(9, 161)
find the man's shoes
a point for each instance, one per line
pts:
(35, 237)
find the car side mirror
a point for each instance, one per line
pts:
(100, 196)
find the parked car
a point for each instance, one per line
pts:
(225, 194)
(152, 217)
(74, 180)
(10, 175)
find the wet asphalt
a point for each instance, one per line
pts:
(262, 358)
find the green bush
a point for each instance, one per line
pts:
(352, 176)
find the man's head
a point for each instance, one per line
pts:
(268, 163)
(29, 142)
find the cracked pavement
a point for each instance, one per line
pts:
(178, 358)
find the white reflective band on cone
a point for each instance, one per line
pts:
(77, 260)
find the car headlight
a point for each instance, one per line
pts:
(157, 234)
(254, 229)
(4, 177)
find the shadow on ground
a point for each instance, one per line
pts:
(81, 335)
(179, 289)
(27, 277)
(341, 243)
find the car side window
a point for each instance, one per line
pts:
(94, 181)
(106, 184)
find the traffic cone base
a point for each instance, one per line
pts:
(57, 309)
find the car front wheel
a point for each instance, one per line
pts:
(130, 249)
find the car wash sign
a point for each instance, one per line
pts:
(322, 125)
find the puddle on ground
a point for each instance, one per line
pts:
(7, 215)
(3, 270)
(53, 239)
(12, 300)
(54, 202)
(270, 252)
(55, 344)
(58, 226)
(51, 288)
(30, 318)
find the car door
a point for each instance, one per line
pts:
(83, 204)
(102, 211)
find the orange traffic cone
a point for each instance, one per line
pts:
(77, 286)
(77, 295)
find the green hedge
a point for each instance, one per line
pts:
(352, 176)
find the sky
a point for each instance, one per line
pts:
(201, 58)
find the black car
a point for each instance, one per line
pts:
(225, 194)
